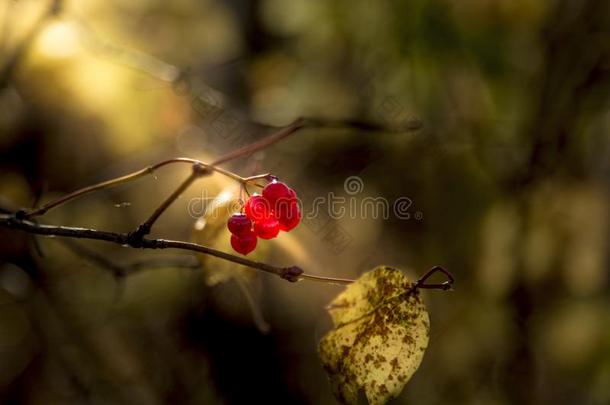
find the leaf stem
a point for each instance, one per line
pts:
(445, 286)
(327, 280)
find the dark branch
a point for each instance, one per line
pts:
(291, 273)
(445, 286)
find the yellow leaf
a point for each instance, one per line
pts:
(380, 335)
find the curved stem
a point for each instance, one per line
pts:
(262, 144)
(246, 150)
(445, 286)
(86, 190)
(257, 315)
(125, 179)
(258, 176)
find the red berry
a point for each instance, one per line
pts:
(289, 215)
(275, 191)
(239, 224)
(267, 229)
(244, 244)
(286, 204)
(257, 208)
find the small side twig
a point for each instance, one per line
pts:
(120, 270)
(445, 286)
(327, 280)
(91, 255)
(146, 226)
(263, 143)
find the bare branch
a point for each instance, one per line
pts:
(263, 143)
(292, 273)
(245, 151)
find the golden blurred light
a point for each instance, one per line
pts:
(209, 207)
(295, 248)
(59, 40)
(200, 224)
(225, 196)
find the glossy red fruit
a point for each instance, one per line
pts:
(257, 208)
(289, 216)
(244, 244)
(267, 229)
(275, 191)
(239, 224)
(286, 204)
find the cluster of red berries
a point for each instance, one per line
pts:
(264, 216)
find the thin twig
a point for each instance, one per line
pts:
(247, 150)
(327, 280)
(445, 286)
(86, 190)
(412, 124)
(292, 273)
(146, 226)
(262, 144)
(257, 315)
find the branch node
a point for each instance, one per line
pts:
(200, 170)
(135, 238)
(291, 274)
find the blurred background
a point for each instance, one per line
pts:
(489, 118)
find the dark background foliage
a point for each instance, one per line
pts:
(507, 176)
